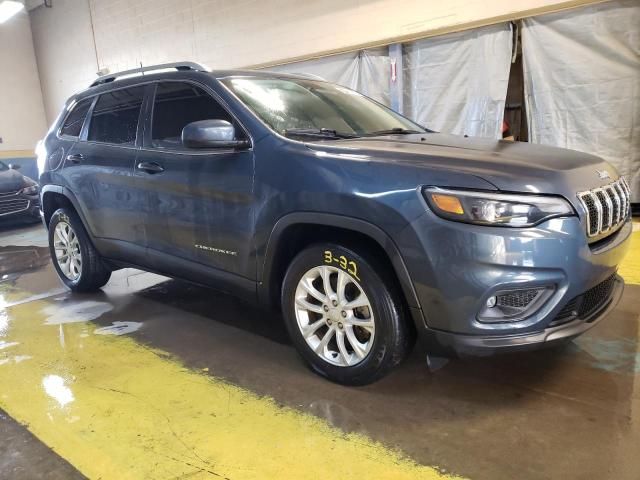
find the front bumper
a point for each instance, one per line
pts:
(456, 267)
(446, 343)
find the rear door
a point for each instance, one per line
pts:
(99, 171)
(199, 202)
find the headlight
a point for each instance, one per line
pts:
(32, 190)
(498, 209)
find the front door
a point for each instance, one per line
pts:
(199, 202)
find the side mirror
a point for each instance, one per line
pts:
(211, 134)
(14, 166)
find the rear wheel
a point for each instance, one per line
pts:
(345, 320)
(75, 259)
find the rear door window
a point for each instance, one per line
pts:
(178, 104)
(115, 116)
(73, 123)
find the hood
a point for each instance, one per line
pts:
(509, 166)
(12, 180)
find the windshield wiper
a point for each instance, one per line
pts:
(318, 132)
(393, 131)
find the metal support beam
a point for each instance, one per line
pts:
(396, 80)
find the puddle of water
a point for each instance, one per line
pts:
(15, 359)
(119, 328)
(6, 303)
(21, 358)
(54, 386)
(4, 322)
(620, 356)
(76, 312)
(4, 344)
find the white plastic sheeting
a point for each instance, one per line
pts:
(457, 83)
(366, 71)
(582, 82)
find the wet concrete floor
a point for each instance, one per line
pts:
(565, 413)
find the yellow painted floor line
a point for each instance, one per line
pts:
(630, 268)
(116, 409)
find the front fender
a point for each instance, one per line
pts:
(265, 268)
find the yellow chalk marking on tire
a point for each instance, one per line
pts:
(117, 409)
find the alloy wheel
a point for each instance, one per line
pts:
(67, 249)
(334, 316)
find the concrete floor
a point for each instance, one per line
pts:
(156, 378)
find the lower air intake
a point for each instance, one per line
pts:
(584, 306)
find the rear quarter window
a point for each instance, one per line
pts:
(75, 119)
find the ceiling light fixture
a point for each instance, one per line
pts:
(8, 8)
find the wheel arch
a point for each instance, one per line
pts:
(57, 196)
(290, 235)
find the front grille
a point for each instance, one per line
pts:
(8, 194)
(607, 207)
(13, 206)
(585, 305)
(517, 299)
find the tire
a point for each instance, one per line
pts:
(92, 273)
(375, 338)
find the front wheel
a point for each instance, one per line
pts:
(76, 261)
(344, 319)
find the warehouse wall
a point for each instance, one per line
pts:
(64, 50)
(22, 119)
(224, 34)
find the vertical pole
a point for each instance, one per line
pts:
(396, 87)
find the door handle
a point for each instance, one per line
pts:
(75, 158)
(150, 167)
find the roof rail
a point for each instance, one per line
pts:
(141, 70)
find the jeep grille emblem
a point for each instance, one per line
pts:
(602, 174)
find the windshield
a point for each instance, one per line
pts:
(3, 167)
(287, 105)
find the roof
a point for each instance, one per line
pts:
(175, 67)
(165, 71)
(259, 73)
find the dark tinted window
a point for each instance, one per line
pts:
(178, 104)
(73, 123)
(115, 116)
(3, 167)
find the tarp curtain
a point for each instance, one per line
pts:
(457, 83)
(582, 82)
(366, 71)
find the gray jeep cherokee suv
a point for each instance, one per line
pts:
(364, 228)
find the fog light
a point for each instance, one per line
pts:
(514, 305)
